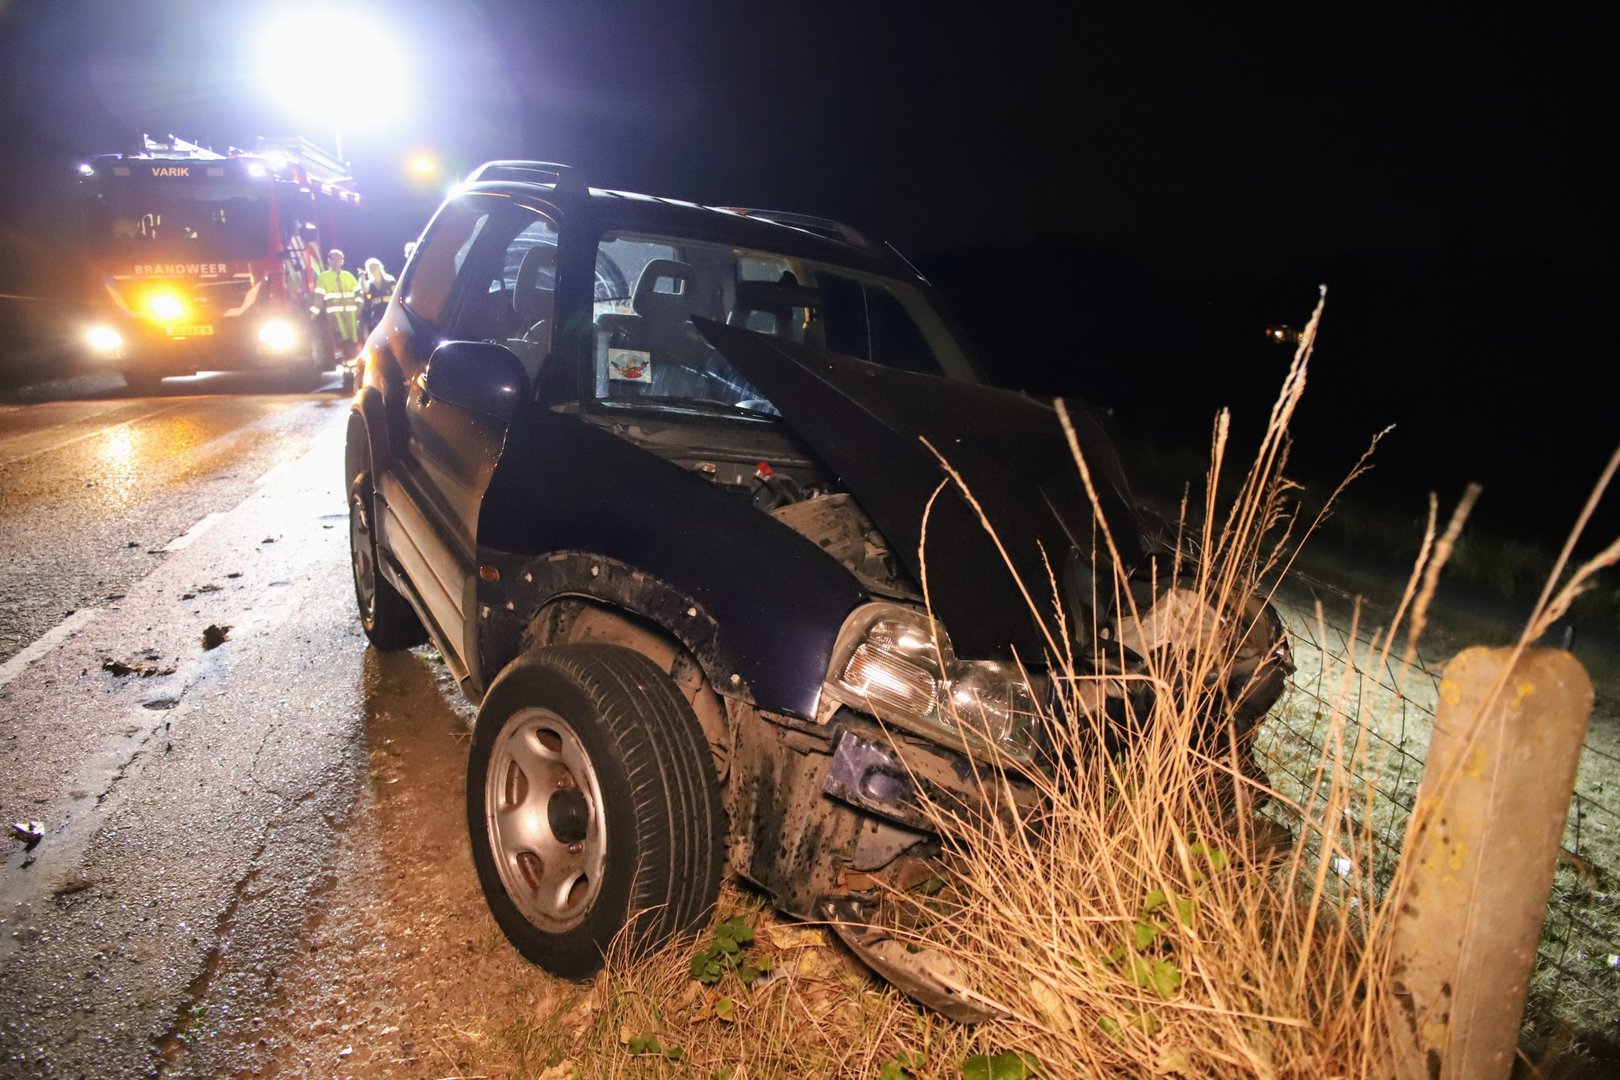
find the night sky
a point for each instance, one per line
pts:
(1117, 199)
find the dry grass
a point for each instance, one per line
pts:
(816, 1013)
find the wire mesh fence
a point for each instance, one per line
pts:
(1380, 711)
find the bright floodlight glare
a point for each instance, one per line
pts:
(86, 169)
(424, 166)
(337, 49)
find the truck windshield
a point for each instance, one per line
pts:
(210, 221)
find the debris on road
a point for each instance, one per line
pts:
(145, 668)
(215, 635)
(29, 832)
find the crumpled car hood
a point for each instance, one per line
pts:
(868, 423)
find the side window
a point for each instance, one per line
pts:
(507, 290)
(428, 286)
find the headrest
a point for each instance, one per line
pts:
(532, 297)
(669, 290)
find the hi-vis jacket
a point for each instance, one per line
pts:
(337, 292)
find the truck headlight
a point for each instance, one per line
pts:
(890, 661)
(277, 335)
(105, 341)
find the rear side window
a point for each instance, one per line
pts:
(434, 266)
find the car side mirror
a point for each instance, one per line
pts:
(479, 376)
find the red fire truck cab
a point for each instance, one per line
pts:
(207, 261)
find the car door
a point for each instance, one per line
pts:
(448, 452)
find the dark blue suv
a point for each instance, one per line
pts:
(655, 477)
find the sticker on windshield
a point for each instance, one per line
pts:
(630, 365)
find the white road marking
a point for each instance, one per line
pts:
(275, 470)
(187, 538)
(48, 641)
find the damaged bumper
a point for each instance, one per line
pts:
(848, 823)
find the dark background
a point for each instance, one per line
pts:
(1118, 199)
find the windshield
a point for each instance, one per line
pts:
(179, 221)
(648, 289)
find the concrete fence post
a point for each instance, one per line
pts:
(1488, 825)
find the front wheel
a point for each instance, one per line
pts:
(592, 807)
(384, 614)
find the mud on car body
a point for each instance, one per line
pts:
(653, 477)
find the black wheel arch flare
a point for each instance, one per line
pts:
(527, 586)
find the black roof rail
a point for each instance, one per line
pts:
(827, 227)
(565, 177)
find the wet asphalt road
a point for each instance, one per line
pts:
(189, 797)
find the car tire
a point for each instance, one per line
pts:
(592, 807)
(385, 615)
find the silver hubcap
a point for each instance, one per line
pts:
(365, 580)
(542, 805)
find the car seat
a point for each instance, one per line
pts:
(666, 297)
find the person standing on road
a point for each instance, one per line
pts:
(376, 288)
(338, 294)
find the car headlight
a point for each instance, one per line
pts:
(278, 335)
(892, 662)
(105, 340)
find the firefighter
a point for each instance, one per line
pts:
(338, 294)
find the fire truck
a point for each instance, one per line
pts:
(205, 261)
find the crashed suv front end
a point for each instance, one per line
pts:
(746, 568)
(847, 705)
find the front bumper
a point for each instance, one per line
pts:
(831, 826)
(821, 812)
